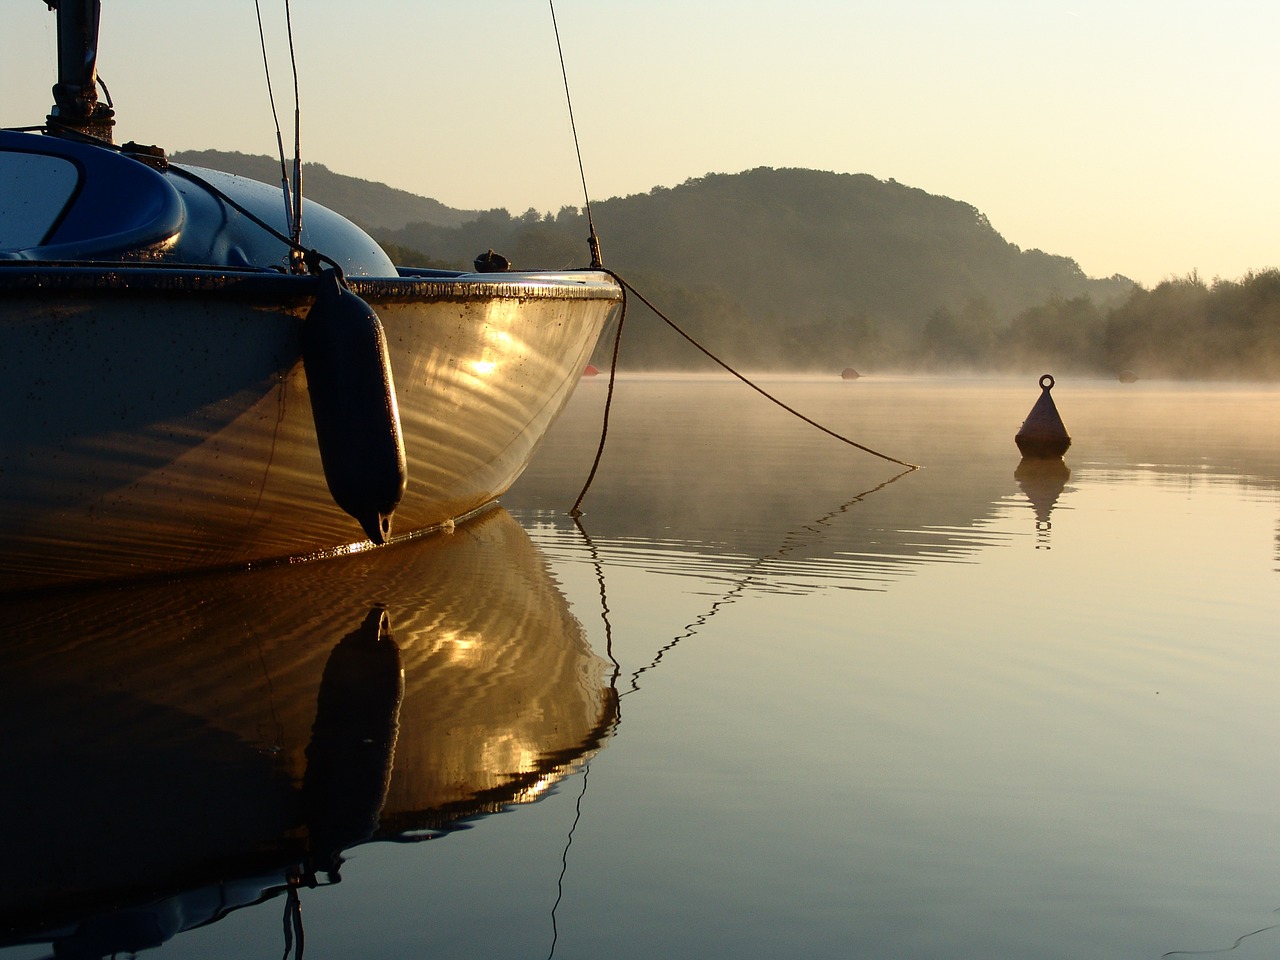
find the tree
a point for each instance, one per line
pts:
(1062, 334)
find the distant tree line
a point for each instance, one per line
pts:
(1182, 328)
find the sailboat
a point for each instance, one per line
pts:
(197, 376)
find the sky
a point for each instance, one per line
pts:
(1138, 137)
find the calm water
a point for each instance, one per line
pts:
(771, 698)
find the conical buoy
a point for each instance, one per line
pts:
(848, 373)
(353, 403)
(1042, 433)
(591, 370)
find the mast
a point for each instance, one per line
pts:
(76, 108)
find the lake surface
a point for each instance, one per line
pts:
(771, 696)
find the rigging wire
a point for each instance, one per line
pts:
(593, 241)
(296, 233)
(275, 116)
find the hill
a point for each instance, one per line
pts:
(773, 266)
(808, 244)
(375, 206)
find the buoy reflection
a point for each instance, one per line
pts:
(1042, 480)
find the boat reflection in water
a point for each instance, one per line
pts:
(176, 751)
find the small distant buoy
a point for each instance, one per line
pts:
(1042, 433)
(848, 373)
(1128, 376)
(591, 370)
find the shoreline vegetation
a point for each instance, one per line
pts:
(798, 270)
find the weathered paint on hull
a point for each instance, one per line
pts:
(153, 428)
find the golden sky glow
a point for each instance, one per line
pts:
(1137, 137)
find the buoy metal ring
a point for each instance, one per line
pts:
(1046, 382)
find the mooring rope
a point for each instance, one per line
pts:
(755, 386)
(1204, 953)
(575, 510)
(791, 541)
